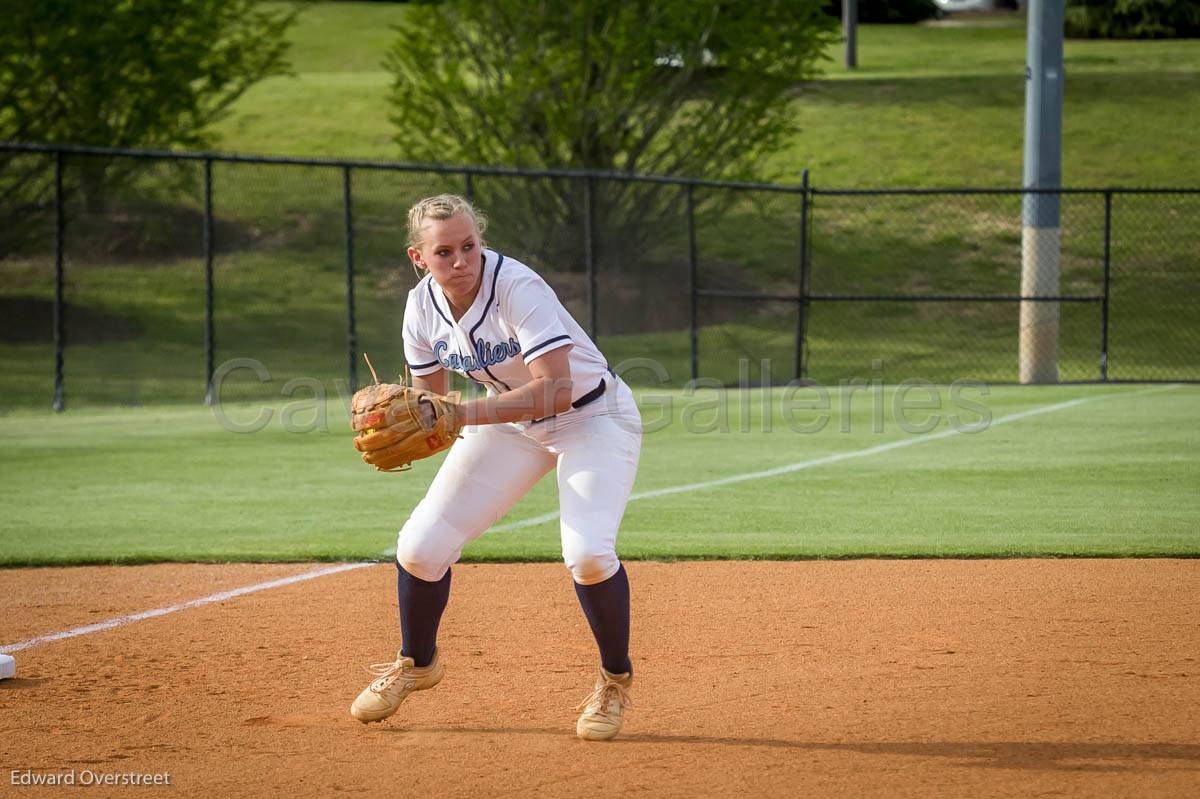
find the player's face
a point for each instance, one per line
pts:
(451, 251)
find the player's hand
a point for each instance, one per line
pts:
(428, 414)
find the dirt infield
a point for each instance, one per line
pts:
(992, 678)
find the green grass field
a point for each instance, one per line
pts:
(929, 106)
(936, 105)
(1113, 474)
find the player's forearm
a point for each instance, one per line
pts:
(537, 399)
(438, 382)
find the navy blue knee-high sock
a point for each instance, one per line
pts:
(606, 606)
(421, 607)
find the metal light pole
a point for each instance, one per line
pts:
(1041, 234)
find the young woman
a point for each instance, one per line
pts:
(551, 403)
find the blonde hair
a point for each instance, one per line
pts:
(439, 207)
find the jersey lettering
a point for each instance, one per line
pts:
(486, 354)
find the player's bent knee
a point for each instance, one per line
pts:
(423, 553)
(589, 568)
(421, 569)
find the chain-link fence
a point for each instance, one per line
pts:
(135, 277)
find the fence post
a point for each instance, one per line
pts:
(590, 258)
(469, 187)
(693, 284)
(209, 329)
(60, 310)
(850, 32)
(351, 329)
(1108, 196)
(802, 306)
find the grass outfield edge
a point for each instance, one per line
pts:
(779, 557)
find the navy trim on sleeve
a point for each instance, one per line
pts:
(424, 365)
(545, 343)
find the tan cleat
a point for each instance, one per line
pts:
(393, 683)
(604, 710)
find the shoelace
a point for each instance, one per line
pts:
(601, 698)
(386, 674)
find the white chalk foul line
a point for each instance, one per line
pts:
(835, 458)
(120, 621)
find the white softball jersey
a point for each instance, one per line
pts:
(593, 448)
(515, 318)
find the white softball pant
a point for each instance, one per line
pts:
(595, 450)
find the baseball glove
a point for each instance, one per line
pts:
(398, 424)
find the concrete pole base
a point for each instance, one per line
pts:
(1040, 248)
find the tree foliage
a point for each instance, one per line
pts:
(675, 87)
(1133, 19)
(124, 74)
(669, 86)
(118, 73)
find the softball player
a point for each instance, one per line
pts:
(551, 403)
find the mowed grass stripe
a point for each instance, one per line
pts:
(168, 484)
(777, 471)
(829, 459)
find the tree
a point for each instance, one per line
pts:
(673, 87)
(152, 73)
(1133, 19)
(602, 84)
